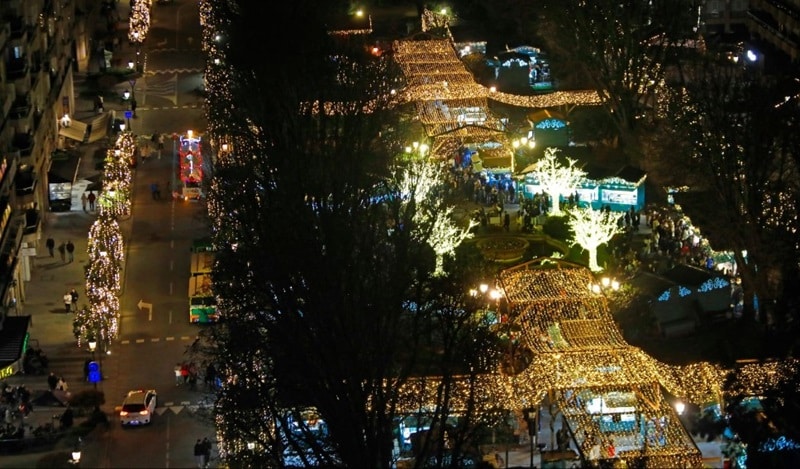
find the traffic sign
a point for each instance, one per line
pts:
(94, 372)
(129, 114)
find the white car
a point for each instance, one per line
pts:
(138, 407)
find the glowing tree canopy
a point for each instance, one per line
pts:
(102, 288)
(418, 184)
(105, 236)
(592, 228)
(556, 179)
(139, 21)
(106, 254)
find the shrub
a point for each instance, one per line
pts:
(557, 227)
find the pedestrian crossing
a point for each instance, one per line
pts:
(166, 108)
(176, 407)
(155, 340)
(171, 71)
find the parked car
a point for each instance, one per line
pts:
(138, 407)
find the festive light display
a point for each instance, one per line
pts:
(556, 179)
(115, 198)
(434, 223)
(453, 108)
(139, 24)
(591, 228)
(106, 255)
(580, 357)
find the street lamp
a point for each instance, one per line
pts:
(126, 95)
(680, 407)
(531, 416)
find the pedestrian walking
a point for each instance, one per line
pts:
(506, 221)
(160, 145)
(206, 451)
(198, 454)
(185, 373)
(91, 198)
(51, 245)
(74, 294)
(70, 251)
(178, 374)
(62, 251)
(84, 200)
(67, 301)
(52, 381)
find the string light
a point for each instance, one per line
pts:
(106, 255)
(139, 24)
(591, 228)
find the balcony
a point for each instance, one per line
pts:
(23, 143)
(8, 172)
(33, 223)
(21, 108)
(25, 186)
(17, 26)
(9, 252)
(17, 68)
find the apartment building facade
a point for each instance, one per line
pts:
(43, 42)
(774, 22)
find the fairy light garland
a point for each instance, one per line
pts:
(106, 255)
(139, 24)
(115, 198)
(577, 346)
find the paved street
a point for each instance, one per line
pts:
(157, 237)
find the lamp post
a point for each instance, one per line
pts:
(76, 454)
(92, 348)
(531, 416)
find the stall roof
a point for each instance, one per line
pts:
(543, 114)
(630, 173)
(687, 275)
(12, 338)
(650, 284)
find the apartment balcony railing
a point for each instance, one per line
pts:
(8, 172)
(17, 68)
(25, 184)
(21, 108)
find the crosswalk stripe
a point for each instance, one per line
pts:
(153, 340)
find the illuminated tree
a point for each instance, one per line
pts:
(421, 184)
(115, 198)
(557, 179)
(624, 47)
(139, 21)
(740, 147)
(323, 258)
(100, 320)
(591, 228)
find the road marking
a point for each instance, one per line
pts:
(158, 339)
